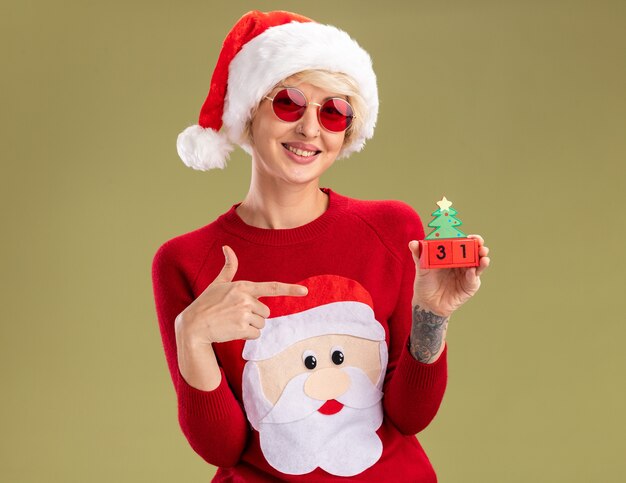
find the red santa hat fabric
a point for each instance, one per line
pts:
(333, 305)
(261, 50)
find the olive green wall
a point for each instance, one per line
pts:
(515, 110)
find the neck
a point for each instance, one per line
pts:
(281, 206)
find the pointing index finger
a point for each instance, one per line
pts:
(274, 289)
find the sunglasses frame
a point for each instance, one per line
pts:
(319, 111)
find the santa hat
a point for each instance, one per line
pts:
(261, 50)
(333, 305)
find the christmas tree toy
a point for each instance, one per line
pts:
(447, 246)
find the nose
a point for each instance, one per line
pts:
(327, 384)
(308, 125)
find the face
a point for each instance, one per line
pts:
(293, 152)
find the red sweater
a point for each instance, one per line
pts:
(366, 241)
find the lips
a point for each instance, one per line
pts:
(297, 146)
(299, 158)
(300, 151)
(330, 407)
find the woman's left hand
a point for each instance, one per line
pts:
(444, 290)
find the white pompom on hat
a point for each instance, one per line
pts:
(261, 50)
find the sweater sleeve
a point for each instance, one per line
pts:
(413, 390)
(212, 421)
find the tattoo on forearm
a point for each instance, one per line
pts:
(426, 334)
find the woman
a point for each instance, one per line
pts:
(286, 320)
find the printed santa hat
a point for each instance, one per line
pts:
(261, 50)
(333, 305)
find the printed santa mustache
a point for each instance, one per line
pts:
(296, 438)
(294, 404)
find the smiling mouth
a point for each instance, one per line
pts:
(300, 152)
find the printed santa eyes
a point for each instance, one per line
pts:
(310, 358)
(336, 355)
(310, 361)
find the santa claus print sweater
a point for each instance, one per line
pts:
(329, 392)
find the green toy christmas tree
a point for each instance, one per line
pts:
(445, 222)
(447, 246)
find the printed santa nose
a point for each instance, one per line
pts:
(327, 384)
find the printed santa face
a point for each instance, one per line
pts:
(312, 384)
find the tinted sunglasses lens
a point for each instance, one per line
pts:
(289, 105)
(336, 115)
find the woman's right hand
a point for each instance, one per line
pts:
(228, 310)
(225, 311)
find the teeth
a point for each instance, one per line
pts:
(300, 152)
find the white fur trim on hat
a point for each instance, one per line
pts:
(203, 148)
(342, 318)
(284, 50)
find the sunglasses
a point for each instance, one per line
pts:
(334, 115)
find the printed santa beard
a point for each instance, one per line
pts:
(296, 438)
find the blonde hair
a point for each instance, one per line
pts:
(336, 82)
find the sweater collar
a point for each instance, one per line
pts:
(234, 224)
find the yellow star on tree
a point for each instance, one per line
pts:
(444, 204)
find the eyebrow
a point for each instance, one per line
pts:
(338, 96)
